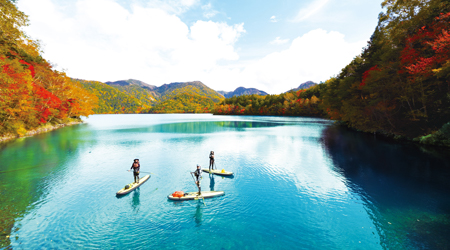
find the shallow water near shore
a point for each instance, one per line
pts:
(299, 183)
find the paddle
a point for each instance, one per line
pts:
(196, 198)
(146, 172)
(141, 172)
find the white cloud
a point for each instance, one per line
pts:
(273, 19)
(279, 41)
(102, 40)
(208, 11)
(172, 6)
(315, 56)
(310, 10)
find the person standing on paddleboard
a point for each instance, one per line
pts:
(136, 168)
(198, 176)
(211, 160)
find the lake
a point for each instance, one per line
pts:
(299, 183)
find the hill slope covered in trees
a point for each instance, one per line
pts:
(400, 84)
(32, 94)
(185, 97)
(111, 100)
(142, 91)
(300, 103)
(133, 96)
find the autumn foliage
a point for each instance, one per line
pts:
(300, 103)
(400, 83)
(31, 92)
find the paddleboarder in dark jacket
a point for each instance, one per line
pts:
(211, 160)
(135, 161)
(198, 176)
(136, 168)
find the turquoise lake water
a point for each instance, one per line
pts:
(299, 183)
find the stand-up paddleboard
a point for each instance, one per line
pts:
(217, 172)
(194, 195)
(133, 186)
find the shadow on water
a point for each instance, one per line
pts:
(404, 186)
(202, 127)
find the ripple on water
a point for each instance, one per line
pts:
(291, 189)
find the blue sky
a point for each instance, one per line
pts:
(269, 45)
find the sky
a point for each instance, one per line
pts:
(273, 46)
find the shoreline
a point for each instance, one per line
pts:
(44, 129)
(436, 139)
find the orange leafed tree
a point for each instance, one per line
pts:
(31, 92)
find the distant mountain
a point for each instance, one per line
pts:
(305, 85)
(134, 96)
(167, 90)
(111, 100)
(242, 91)
(138, 89)
(132, 82)
(185, 97)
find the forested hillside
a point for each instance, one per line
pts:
(133, 96)
(143, 92)
(169, 90)
(32, 94)
(111, 100)
(300, 103)
(400, 84)
(184, 100)
(187, 97)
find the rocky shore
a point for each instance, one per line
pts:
(40, 130)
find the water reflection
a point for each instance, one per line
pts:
(202, 127)
(211, 182)
(405, 188)
(29, 168)
(135, 201)
(198, 216)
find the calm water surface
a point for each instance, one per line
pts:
(300, 183)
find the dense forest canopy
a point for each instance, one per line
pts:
(300, 103)
(32, 94)
(185, 97)
(133, 96)
(400, 83)
(112, 100)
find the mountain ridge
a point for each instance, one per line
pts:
(305, 85)
(140, 97)
(242, 91)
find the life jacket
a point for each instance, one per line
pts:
(197, 172)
